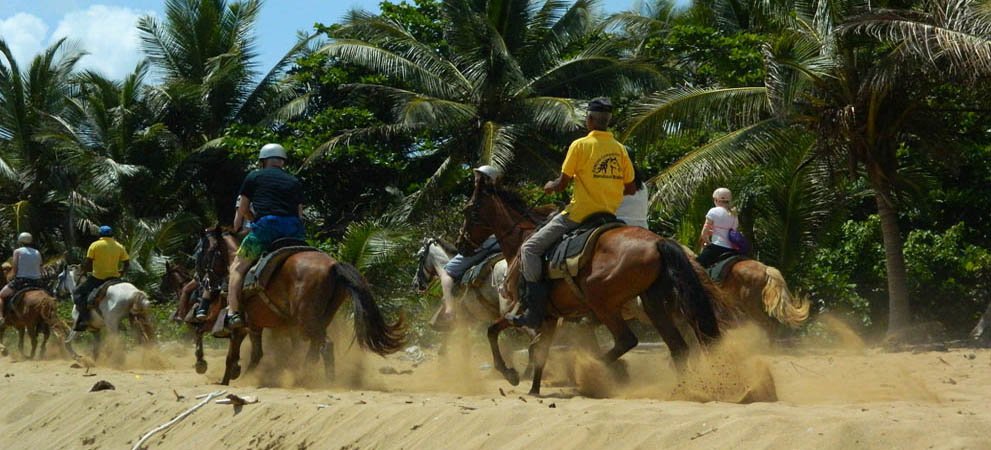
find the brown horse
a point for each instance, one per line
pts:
(310, 287)
(35, 312)
(627, 262)
(761, 292)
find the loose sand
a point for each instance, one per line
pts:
(843, 397)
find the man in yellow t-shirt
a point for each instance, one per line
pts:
(603, 174)
(106, 259)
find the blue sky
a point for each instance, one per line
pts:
(106, 28)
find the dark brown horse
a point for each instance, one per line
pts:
(35, 312)
(309, 288)
(627, 262)
(176, 277)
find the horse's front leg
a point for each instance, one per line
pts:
(233, 367)
(20, 341)
(493, 333)
(33, 334)
(201, 364)
(539, 351)
(45, 333)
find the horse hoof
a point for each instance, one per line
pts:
(512, 376)
(200, 367)
(620, 371)
(235, 372)
(4, 352)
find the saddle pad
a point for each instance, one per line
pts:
(476, 275)
(571, 254)
(99, 293)
(259, 275)
(721, 268)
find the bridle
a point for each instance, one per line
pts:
(472, 218)
(422, 277)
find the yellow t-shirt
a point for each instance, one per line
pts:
(600, 168)
(107, 254)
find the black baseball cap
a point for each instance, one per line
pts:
(600, 104)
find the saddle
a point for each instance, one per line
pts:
(567, 258)
(718, 271)
(476, 275)
(267, 266)
(99, 293)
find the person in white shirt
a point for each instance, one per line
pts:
(715, 233)
(25, 267)
(634, 208)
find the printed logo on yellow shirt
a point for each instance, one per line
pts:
(608, 166)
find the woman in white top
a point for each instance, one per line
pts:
(26, 268)
(715, 233)
(633, 210)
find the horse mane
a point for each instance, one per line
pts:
(515, 201)
(447, 246)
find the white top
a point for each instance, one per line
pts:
(28, 263)
(633, 210)
(722, 222)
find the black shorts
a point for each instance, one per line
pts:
(24, 283)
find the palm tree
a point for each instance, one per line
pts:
(510, 84)
(204, 50)
(860, 102)
(44, 186)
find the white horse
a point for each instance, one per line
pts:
(123, 300)
(484, 303)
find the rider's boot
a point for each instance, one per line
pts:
(82, 322)
(202, 310)
(234, 321)
(534, 297)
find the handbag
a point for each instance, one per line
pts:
(739, 241)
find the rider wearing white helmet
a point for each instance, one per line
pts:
(715, 233)
(272, 200)
(25, 268)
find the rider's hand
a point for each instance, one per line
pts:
(550, 187)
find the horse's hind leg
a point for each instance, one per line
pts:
(653, 305)
(539, 351)
(20, 341)
(33, 334)
(46, 332)
(255, 336)
(493, 332)
(327, 352)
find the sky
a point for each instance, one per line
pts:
(106, 29)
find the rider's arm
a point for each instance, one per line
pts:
(300, 212)
(87, 265)
(125, 266)
(558, 185)
(630, 188)
(707, 230)
(13, 265)
(243, 212)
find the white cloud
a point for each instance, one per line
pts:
(109, 35)
(24, 34)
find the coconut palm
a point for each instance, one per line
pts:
(204, 50)
(854, 98)
(511, 83)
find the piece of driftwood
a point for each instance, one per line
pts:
(178, 418)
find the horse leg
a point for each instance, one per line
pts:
(539, 351)
(33, 334)
(201, 364)
(623, 341)
(327, 351)
(20, 341)
(653, 305)
(97, 340)
(493, 332)
(46, 332)
(233, 368)
(255, 336)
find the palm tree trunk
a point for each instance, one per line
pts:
(899, 312)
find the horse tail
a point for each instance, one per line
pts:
(780, 304)
(694, 301)
(370, 327)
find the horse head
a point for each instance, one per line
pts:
(493, 210)
(425, 270)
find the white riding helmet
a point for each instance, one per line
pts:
(272, 151)
(24, 238)
(722, 195)
(490, 171)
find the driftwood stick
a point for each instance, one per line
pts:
(178, 418)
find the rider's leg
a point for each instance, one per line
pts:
(447, 283)
(532, 266)
(80, 298)
(203, 310)
(238, 269)
(185, 296)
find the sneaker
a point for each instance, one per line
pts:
(234, 321)
(201, 315)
